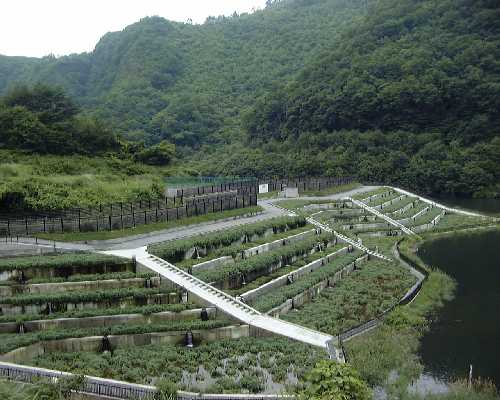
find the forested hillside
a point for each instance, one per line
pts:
(393, 91)
(409, 95)
(190, 83)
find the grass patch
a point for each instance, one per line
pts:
(142, 229)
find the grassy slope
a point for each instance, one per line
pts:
(59, 182)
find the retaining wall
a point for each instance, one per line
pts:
(104, 320)
(161, 298)
(64, 272)
(39, 288)
(315, 290)
(94, 344)
(295, 275)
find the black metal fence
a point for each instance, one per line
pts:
(124, 215)
(180, 203)
(307, 184)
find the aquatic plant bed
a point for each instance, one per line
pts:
(284, 270)
(384, 244)
(262, 263)
(75, 260)
(277, 297)
(97, 312)
(398, 205)
(90, 278)
(364, 195)
(66, 301)
(367, 292)
(457, 221)
(177, 250)
(426, 218)
(253, 365)
(9, 342)
(419, 206)
(235, 250)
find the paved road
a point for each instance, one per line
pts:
(136, 241)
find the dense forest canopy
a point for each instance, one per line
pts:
(393, 91)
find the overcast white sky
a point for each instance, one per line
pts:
(41, 27)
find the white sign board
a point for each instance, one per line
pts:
(264, 188)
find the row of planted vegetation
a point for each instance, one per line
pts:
(293, 270)
(277, 253)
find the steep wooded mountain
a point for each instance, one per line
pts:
(189, 83)
(393, 91)
(409, 94)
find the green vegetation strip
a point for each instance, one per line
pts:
(397, 205)
(284, 270)
(232, 366)
(277, 297)
(175, 250)
(419, 206)
(141, 229)
(9, 342)
(235, 249)
(263, 261)
(381, 200)
(60, 261)
(363, 295)
(97, 296)
(92, 277)
(99, 312)
(364, 195)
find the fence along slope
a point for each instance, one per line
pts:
(227, 303)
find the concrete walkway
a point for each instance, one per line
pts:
(226, 303)
(382, 216)
(136, 241)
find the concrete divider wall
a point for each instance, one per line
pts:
(365, 226)
(315, 290)
(39, 288)
(94, 344)
(64, 272)
(263, 248)
(430, 225)
(161, 298)
(377, 196)
(236, 281)
(282, 280)
(105, 320)
(403, 209)
(212, 264)
(388, 203)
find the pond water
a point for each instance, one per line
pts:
(487, 206)
(468, 328)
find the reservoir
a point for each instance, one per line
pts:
(467, 329)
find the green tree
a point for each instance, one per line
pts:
(330, 380)
(160, 154)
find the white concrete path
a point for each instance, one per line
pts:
(347, 239)
(226, 303)
(383, 216)
(425, 200)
